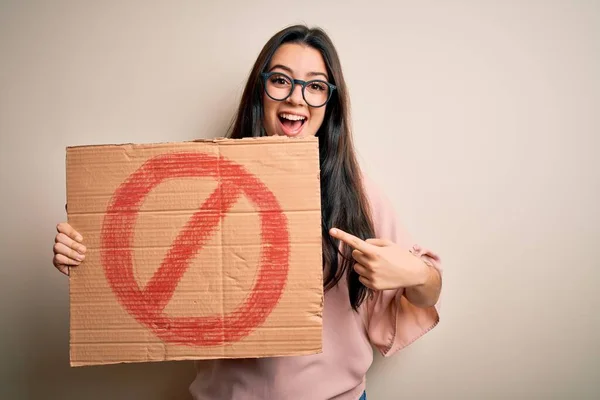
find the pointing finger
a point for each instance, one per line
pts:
(352, 241)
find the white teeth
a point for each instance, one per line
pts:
(292, 117)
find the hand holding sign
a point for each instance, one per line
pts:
(68, 248)
(383, 264)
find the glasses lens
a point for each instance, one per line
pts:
(278, 86)
(316, 93)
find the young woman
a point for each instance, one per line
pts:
(381, 289)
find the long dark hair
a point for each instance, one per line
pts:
(343, 201)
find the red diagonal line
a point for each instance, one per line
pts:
(191, 239)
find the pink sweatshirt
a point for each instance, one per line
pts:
(386, 321)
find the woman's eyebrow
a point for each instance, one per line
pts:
(318, 74)
(288, 69)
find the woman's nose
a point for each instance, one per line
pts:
(296, 96)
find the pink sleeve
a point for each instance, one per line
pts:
(393, 322)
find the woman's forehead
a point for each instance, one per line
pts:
(298, 59)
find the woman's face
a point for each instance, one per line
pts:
(293, 116)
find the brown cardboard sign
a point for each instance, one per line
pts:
(196, 250)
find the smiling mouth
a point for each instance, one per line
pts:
(292, 124)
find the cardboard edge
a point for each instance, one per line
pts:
(79, 364)
(218, 140)
(70, 287)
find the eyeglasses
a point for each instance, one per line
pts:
(279, 86)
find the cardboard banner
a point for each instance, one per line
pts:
(196, 250)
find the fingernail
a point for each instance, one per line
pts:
(80, 257)
(79, 238)
(334, 231)
(82, 249)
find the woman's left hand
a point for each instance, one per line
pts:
(382, 264)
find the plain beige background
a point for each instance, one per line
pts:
(479, 118)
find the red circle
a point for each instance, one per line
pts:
(147, 305)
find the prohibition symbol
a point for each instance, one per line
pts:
(146, 305)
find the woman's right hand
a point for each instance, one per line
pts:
(68, 248)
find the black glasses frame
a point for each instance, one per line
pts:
(267, 75)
